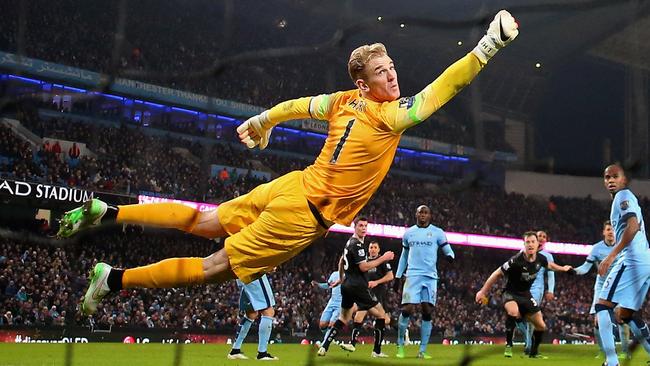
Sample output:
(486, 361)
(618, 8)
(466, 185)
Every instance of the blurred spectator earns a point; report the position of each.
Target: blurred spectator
(56, 149)
(21, 295)
(224, 176)
(74, 151)
(11, 290)
(7, 319)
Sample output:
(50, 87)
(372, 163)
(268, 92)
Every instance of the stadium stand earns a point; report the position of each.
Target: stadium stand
(41, 285)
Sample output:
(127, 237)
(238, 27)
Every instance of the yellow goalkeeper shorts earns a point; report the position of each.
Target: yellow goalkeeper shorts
(268, 226)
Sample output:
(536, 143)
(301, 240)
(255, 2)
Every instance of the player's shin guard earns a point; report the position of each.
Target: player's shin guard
(355, 333)
(266, 325)
(402, 324)
(641, 332)
(510, 329)
(242, 332)
(603, 313)
(331, 333)
(380, 324)
(536, 341)
(425, 333)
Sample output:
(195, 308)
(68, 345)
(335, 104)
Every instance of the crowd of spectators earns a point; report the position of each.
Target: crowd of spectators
(36, 280)
(83, 37)
(41, 285)
(129, 160)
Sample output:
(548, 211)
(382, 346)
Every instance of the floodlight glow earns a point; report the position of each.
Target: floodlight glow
(178, 109)
(34, 81)
(397, 232)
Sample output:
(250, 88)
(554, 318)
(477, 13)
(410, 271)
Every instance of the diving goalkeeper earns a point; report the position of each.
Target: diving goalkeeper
(277, 220)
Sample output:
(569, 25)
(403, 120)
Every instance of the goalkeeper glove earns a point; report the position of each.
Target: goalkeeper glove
(502, 31)
(253, 132)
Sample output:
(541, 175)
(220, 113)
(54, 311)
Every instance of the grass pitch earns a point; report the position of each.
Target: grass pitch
(100, 354)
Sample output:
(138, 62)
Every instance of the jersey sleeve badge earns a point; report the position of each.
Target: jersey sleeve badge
(406, 102)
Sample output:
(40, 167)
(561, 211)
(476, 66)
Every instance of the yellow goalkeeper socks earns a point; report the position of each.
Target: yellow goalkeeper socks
(173, 272)
(168, 215)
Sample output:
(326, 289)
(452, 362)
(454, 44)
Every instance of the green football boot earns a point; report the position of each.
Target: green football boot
(90, 214)
(508, 352)
(400, 352)
(97, 289)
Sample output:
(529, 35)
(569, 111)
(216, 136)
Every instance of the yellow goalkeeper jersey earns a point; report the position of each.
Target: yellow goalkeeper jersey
(363, 137)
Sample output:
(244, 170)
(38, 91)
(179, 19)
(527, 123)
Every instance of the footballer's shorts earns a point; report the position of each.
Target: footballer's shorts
(268, 226)
(359, 295)
(538, 294)
(419, 289)
(380, 293)
(257, 295)
(526, 303)
(330, 314)
(627, 285)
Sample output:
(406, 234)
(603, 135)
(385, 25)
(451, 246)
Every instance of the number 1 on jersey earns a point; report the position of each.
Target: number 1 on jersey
(339, 146)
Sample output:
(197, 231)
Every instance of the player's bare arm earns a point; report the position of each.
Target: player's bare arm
(557, 268)
(341, 273)
(481, 295)
(386, 278)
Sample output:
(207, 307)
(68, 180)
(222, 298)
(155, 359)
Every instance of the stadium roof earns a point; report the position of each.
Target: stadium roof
(552, 34)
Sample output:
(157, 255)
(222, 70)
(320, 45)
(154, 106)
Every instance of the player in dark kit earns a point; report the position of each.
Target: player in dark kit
(378, 277)
(354, 290)
(520, 272)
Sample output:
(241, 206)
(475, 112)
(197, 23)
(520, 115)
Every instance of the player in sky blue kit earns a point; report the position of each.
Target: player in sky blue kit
(627, 282)
(421, 243)
(255, 298)
(598, 253)
(333, 307)
(537, 289)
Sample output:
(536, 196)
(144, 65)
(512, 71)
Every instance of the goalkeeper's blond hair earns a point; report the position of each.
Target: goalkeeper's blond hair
(360, 57)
